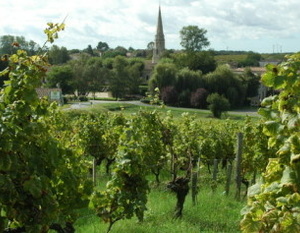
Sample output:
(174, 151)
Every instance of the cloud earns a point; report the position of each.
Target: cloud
(133, 22)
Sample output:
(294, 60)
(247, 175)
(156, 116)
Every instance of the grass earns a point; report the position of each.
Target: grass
(213, 213)
(177, 112)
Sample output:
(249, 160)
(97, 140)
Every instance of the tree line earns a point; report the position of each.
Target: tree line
(184, 78)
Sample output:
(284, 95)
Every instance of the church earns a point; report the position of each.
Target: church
(159, 41)
(158, 48)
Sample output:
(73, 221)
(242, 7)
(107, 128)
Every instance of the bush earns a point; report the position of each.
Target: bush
(82, 98)
(169, 95)
(217, 104)
(198, 98)
(184, 98)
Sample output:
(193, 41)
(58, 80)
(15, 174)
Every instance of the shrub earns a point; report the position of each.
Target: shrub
(184, 98)
(169, 95)
(82, 98)
(198, 98)
(217, 104)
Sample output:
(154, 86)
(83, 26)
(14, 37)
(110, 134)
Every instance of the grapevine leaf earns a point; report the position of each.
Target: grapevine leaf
(254, 190)
(33, 186)
(279, 82)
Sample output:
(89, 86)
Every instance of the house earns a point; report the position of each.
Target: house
(53, 94)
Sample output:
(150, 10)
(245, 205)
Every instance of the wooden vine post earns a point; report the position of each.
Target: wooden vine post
(238, 177)
(94, 171)
(215, 176)
(228, 179)
(194, 180)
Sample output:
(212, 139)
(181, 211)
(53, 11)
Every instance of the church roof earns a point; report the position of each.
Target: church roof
(159, 28)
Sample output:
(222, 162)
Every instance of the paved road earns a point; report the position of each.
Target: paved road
(249, 112)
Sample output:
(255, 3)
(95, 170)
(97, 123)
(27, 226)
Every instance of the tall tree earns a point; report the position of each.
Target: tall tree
(203, 60)
(193, 38)
(118, 80)
(10, 44)
(61, 76)
(58, 55)
(224, 82)
(102, 46)
(164, 75)
(89, 50)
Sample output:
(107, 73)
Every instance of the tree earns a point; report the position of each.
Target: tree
(95, 74)
(198, 98)
(252, 59)
(61, 76)
(90, 74)
(134, 77)
(89, 50)
(188, 80)
(252, 81)
(10, 44)
(79, 79)
(164, 75)
(102, 46)
(150, 45)
(58, 55)
(203, 61)
(193, 38)
(217, 104)
(224, 82)
(118, 80)
(169, 95)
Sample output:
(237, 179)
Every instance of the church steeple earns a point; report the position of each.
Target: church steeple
(159, 43)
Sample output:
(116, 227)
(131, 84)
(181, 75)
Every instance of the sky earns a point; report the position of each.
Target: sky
(263, 26)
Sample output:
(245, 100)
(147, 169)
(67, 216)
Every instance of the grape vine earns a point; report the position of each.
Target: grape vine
(274, 203)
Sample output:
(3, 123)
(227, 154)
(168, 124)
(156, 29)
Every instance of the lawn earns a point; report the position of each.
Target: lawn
(214, 212)
(127, 108)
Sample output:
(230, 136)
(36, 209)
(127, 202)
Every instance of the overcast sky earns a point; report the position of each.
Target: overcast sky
(252, 25)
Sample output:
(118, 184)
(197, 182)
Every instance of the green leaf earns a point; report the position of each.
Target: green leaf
(279, 82)
(271, 128)
(33, 186)
(254, 190)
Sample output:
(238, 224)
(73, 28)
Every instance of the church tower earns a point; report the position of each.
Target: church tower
(159, 43)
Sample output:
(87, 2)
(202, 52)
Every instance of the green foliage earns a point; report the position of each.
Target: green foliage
(164, 75)
(224, 82)
(202, 61)
(256, 152)
(193, 38)
(40, 177)
(252, 59)
(188, 80)
(102, 46)
(61, 76)
(58, 55)
(139, 150)
(89, 74)
(10, 44)
(217, 104)
(252, 81)
(273, 205)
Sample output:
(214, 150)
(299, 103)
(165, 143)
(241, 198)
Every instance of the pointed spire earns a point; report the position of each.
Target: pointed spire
(159, 43)
(159, 29)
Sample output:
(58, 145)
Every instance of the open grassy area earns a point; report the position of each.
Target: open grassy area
(127, 108)
(214, 212)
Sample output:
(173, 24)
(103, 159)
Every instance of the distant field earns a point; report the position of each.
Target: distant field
(223, 59)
